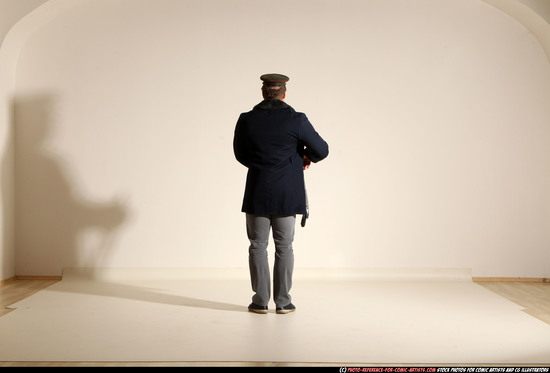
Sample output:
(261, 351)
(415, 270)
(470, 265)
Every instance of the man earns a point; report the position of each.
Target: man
(276, 144)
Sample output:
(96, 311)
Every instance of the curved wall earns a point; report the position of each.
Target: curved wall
(11, 12)
(19, 19)
(435, 113)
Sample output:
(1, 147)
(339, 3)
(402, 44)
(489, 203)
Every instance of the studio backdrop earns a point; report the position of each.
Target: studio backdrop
(436, 114)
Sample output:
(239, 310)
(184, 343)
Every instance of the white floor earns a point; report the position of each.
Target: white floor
(201, 316)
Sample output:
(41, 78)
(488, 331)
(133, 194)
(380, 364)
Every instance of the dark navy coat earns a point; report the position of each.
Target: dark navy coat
(271, 140)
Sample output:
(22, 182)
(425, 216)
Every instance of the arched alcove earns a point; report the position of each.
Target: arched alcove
(435, 114)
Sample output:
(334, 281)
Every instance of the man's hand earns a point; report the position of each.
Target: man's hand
(307, 162)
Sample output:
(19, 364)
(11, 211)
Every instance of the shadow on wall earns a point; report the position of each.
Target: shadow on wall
(50, 217)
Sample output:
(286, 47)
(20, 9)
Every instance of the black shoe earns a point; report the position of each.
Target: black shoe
(286, 309)
(257, 309)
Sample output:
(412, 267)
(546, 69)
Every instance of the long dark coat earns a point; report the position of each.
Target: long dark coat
(271, 140)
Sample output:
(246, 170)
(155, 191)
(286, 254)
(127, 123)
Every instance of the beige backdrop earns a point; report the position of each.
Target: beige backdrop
(436, 113)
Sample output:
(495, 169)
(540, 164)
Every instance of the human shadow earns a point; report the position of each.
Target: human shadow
(88, 281)
(51, 216)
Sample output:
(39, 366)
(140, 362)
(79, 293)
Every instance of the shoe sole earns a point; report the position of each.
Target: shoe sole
(285, 311)
(257, 311)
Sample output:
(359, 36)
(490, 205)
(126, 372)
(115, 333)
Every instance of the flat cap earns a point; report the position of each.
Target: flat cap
(274, 79)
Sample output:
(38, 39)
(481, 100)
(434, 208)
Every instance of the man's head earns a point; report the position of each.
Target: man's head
(274, 92)
(274, 86)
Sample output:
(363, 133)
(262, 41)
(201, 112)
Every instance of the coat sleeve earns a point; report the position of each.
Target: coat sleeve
(315, 148)
(239, 144)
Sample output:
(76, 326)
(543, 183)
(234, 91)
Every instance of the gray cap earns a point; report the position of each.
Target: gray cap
(274, 79)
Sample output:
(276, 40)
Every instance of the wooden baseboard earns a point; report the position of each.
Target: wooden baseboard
(45, 278)
(7, 281)
(36, 278)
(475, 279)
(511, 279)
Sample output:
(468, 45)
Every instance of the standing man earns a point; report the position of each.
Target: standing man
(276, 144)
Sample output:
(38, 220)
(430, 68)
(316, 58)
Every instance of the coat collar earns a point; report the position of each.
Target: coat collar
(272, 105)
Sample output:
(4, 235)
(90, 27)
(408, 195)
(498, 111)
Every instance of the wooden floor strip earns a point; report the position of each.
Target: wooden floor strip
(511, 279)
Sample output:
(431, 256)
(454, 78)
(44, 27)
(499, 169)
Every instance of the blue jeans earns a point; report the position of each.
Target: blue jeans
(258, 227)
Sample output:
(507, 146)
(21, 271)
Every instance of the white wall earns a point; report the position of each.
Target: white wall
(541, 7)
(11, 11)
(436, 114)
(7, 246)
